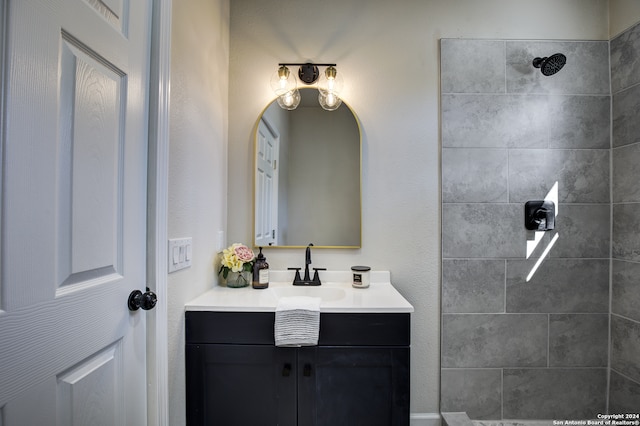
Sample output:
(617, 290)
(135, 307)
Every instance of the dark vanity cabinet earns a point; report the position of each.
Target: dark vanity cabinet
(357, 375)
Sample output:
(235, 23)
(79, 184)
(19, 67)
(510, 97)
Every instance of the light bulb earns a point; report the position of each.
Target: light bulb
(289, 100)
(329, 101)
(282, 81)
(330, 81)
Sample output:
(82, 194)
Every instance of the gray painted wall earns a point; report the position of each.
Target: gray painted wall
(510, 348)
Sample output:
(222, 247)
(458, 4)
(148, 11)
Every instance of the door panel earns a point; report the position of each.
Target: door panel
(114, 11)
(91, 393)
(354, 386)
(90, 181)
(223, 380)
(73, 240)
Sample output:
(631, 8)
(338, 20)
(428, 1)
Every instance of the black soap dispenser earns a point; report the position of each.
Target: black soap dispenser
(260, 272)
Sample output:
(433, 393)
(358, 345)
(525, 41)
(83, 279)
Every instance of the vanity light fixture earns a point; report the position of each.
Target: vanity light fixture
(329, 84)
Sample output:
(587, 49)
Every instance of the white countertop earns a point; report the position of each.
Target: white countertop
(336, 293)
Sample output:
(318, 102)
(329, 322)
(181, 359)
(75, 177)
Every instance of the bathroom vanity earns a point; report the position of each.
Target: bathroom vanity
(357, 374)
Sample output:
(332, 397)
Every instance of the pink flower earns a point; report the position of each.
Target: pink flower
(244, 253)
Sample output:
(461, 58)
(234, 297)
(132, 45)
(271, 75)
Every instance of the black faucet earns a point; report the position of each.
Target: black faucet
(307, 279)
(307, 262)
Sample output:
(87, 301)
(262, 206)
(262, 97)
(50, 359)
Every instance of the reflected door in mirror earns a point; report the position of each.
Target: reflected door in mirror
(266, 185)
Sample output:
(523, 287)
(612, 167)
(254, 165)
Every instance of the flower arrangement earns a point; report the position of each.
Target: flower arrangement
(236, 258)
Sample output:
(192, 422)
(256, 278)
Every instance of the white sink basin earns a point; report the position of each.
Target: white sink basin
(326, 294)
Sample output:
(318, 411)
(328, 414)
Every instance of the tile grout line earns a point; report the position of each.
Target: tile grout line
(611, 197)
(548, 340)
(504, 306)
(502, 393)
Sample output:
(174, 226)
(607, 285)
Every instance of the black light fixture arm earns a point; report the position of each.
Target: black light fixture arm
(305, 63)
(308, 72)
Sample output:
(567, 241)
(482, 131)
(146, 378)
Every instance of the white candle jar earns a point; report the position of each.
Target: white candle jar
(361, 277)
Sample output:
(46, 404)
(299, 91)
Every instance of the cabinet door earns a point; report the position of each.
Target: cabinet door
(240, 385)
(353, 386)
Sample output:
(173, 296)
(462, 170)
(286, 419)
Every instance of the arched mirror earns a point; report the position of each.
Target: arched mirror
(307, 186)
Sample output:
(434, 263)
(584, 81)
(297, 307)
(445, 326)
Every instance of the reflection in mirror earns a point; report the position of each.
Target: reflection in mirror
(307, 176)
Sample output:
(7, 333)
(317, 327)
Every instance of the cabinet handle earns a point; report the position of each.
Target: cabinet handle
(286, 370)
(306, 372)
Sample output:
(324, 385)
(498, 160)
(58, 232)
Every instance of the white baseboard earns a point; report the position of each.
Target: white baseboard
(425, 419)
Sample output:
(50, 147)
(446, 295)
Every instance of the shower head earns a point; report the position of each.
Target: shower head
(551, 65)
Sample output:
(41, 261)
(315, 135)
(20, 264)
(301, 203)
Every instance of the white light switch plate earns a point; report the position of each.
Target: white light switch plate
(180, 250)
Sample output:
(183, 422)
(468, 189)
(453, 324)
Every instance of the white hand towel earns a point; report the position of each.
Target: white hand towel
(297, 321)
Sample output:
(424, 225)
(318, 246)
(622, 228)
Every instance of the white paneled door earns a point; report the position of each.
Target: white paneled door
(266, 219)
(73, 211)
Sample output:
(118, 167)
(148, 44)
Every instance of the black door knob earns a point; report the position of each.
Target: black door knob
(138, 299)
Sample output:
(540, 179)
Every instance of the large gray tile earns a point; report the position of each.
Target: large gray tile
(578, 340)
(579, 122)
(585, 73)
(531, 176)
(473, 286)
(624, 394)
(461, 169)
(582, 174)
(625, 347)
(554, 393)
(626, 232)
(583, 230)
(472, 66)
(494, 340)
(625, 287)
(487, 121)
(626, 169)
(625, 59)
(483, 231)
(558, 286)
(624, 116)
(476, 392)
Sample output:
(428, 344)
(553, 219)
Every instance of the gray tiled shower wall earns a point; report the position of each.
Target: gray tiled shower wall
(625, 282)
(536, 349)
